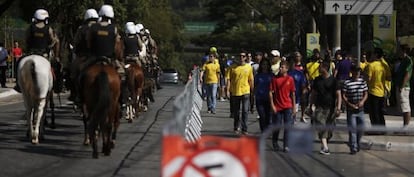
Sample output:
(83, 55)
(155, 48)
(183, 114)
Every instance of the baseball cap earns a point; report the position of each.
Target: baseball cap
(275, 53)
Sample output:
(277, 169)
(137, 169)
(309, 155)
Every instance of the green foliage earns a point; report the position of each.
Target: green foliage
(255, 40)
(156, 15)
(244, 24)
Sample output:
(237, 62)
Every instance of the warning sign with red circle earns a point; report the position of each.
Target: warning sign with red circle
(210, 156)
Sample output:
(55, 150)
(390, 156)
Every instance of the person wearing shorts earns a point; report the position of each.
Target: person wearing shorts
(402, 82)
(326, 95)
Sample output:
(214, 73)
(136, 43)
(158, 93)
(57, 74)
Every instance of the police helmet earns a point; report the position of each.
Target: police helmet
(106, 11)
(130, 28)
(91, 14)
(41, 15)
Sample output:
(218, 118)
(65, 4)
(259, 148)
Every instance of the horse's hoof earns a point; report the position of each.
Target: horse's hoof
(35, 141)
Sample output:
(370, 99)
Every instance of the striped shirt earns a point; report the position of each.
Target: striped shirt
(354, 90)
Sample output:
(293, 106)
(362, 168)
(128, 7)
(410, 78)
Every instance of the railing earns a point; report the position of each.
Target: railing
(187, 120)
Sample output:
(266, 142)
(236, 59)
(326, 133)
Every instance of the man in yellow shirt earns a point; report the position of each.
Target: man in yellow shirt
(312, 68)
(240, 82)
(364, 61)
(377, 75)
(211, 70)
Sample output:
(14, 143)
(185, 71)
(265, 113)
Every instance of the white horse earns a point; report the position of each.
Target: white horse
(36, 83)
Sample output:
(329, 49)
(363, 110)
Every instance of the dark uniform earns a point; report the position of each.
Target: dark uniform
(82, 51)
(101, 40)
(131, 48)
(81, 47)
(40, 38)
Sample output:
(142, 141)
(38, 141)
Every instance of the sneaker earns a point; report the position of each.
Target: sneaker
(353, 152)
(324, 151)
(237, 131)
(286, 149)
(245, 133)
(222, 99)
(303, 120)
(213, 112)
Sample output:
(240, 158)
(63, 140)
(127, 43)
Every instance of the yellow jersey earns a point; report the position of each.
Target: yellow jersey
(312, 69)
(240, 77)
(379, 75)
(211, 72)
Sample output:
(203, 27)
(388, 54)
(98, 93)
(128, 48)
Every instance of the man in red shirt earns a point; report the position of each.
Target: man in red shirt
(16, 53)
(282, 103)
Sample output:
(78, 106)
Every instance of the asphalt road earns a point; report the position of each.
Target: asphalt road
(137, 151)
(139, 144)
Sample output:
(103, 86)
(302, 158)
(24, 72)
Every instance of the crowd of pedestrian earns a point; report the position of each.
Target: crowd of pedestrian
(320, 88)
(8, 62)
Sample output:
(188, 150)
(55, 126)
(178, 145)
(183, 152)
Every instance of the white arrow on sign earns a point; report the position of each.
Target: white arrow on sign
(358, 7)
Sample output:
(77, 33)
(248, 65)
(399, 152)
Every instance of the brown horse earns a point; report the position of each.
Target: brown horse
(135, 84)
(101, 92)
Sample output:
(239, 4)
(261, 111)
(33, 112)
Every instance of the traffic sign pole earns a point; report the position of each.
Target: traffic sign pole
(359, 7)
(359, 40)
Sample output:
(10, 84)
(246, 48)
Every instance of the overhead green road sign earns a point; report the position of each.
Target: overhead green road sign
(199, 27)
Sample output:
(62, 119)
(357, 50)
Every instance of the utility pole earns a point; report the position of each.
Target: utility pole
(337, 33)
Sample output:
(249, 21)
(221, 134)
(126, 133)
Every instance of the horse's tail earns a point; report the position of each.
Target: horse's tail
(104, 99)
(30, 65)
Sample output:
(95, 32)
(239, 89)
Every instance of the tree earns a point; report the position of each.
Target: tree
(5, 5)
(156, 15)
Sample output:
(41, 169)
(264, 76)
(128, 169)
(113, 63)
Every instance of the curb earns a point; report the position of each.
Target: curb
(369, 144)
(8, 93)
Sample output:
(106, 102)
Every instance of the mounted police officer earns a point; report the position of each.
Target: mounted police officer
(143, 51)
(132, 44)
(41, 38)
(103, 40)
(81, 49)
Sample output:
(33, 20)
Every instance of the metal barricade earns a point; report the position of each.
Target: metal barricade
(187, 120)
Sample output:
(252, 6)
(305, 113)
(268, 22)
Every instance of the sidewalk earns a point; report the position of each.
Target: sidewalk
(396, 139)
(5, 92)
